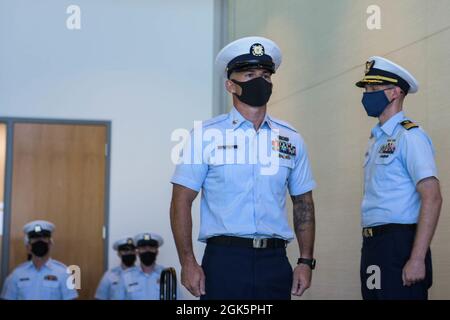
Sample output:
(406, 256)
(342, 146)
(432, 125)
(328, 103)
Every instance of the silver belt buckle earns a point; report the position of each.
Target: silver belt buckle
(259, 243)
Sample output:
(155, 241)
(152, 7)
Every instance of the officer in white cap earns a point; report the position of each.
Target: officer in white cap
(41, 278)
(402, 200)
(111, 286)
(143, 283)
(244, 218)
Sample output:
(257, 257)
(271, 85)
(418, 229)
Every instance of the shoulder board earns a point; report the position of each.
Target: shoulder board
(59, 264)
(215, 120)
(408, 125)
(130, 270)
(117, 269)
(157, 269)
(23, 265)
(283, 123)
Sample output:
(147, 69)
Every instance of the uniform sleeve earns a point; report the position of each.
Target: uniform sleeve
(9, 291)
(102, 292)
(418, 155)
(192, 169)
(66, 292)
(301, 179)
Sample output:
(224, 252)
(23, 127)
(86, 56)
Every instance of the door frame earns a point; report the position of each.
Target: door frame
(10, 122)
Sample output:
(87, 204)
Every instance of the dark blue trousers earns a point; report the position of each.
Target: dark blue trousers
(238, 273)
(390, 252)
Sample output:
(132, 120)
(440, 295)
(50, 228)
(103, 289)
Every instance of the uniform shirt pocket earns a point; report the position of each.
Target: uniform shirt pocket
(284, 170)
(24, 284)
(50, 284)
(23, 288)
(238, 177)
(278, 175)
(51, 289)
(385, 159)
(133, 287)
(135, 291)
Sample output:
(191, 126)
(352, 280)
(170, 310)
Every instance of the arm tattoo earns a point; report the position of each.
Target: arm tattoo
(303, 212)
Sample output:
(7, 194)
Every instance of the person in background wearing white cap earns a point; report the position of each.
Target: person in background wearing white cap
(244, 218)
(402, 199)
(143, 283)
(111, 286)
(41, 278)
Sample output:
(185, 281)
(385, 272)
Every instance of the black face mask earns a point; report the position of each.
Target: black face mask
(147, 258)
(256, 92)
(128, 259)
(39, 248)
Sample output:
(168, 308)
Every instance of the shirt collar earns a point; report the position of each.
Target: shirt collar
(154, 270)
(237, 119)
(389, 126)
(48, 264)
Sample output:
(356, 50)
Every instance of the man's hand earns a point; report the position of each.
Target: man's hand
(430, 194)
(193, 278)
(305, 229)
(302, 279)
(413, 272)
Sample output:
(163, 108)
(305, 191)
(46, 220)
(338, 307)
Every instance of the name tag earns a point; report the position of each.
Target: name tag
(234, 146)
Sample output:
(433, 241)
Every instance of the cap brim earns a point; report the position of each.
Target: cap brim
(150, 243)
(126, 247)
(245, 66)
(41, 234)
(360, 84)
(363, 83)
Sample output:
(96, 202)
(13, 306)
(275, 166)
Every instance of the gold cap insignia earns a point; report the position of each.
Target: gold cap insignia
(257, 50)
(369, 66)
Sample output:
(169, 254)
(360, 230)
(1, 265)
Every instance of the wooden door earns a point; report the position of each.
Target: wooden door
(59, 175)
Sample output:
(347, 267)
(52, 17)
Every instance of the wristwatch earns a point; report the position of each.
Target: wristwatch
(309, 262)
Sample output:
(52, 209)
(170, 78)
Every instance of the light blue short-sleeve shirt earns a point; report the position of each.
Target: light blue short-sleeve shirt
(111, 286)
(397, 159)
(244, 175)
(48, 283)
(140, 285)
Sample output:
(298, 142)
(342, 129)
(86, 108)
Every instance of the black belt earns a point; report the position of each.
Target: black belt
(386, 228)
(256, 243)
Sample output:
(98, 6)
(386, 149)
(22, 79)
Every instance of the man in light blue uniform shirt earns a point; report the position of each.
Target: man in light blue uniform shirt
(244, 162)
(143, 282)
(41, 278)
(402, 200)
(111, 285)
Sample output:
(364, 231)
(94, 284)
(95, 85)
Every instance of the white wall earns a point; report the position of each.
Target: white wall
(144, 65)
(325, 45)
